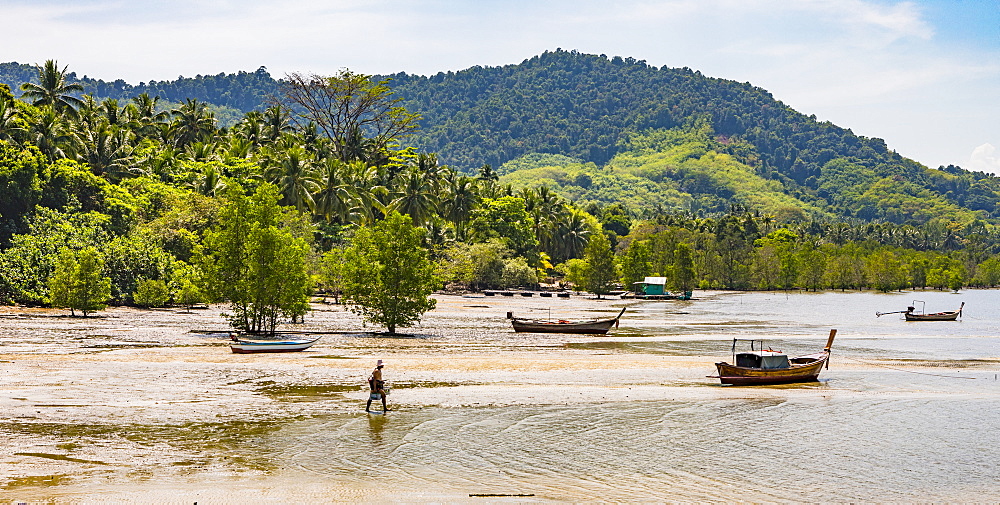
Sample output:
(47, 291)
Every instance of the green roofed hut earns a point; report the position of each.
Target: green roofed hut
(654, 288)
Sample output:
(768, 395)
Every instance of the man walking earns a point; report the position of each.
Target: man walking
(377, 386)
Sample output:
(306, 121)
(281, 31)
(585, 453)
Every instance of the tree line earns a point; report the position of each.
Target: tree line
(123, 202)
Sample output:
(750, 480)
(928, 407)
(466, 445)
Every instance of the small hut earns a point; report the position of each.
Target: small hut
(651, 286)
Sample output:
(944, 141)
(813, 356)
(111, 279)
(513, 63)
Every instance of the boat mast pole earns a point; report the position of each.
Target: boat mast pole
(829, 344)
(829, 341)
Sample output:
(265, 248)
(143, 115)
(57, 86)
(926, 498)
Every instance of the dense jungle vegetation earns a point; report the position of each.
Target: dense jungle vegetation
(708, 182)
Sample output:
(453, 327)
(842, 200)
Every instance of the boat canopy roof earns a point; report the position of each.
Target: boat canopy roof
(762, 359)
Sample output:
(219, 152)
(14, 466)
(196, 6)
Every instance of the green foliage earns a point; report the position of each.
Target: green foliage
(185, 282)
(517, 273)
(388, 277)
(332, 273)
(73, 187)
(682, 273)
(536, 160)
(77, 282)
(478, 266)
(21, 173)
(600, 274)
(506, 218)
(575, 271)
(255, 265)
(130, 260)
(30, 260)
(152, 293)
(636, 262)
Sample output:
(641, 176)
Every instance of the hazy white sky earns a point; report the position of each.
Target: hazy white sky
(924, 75)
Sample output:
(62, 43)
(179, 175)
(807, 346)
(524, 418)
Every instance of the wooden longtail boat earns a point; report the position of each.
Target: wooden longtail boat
(243, 346)
(592, 326)
(950, 315)
(766, 366)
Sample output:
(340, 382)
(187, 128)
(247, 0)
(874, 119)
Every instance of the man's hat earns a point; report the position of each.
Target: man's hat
(379, 363)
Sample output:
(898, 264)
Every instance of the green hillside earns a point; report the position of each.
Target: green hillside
(632, 121)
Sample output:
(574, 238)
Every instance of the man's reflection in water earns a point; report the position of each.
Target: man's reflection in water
(376, 423)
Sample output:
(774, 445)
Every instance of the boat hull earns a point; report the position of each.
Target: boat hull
(599, 327)
(261, 346)
(799, 372)
(942, 316)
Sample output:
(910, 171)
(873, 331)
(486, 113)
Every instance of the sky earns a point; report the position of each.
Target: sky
(923, 75)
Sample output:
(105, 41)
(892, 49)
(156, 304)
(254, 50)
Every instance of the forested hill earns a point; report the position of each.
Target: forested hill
(243, 91)
(726, 135)
(619, 130)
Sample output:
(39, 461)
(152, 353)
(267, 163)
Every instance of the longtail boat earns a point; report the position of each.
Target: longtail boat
(244, 346)
(591, 326)
(767, 366)
(950, 315)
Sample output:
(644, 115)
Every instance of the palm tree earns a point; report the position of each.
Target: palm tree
(333, 199)
(53, 89)
(200, 151)
(142, 117)
(251, 127)
(291, 171)
(10, 124)
(572, 236)
(192, 121)
(51, 134)
(239, 147)
(107, 150)
(210, 182)
(276, 122)
(462, 199)
(415, 197)
(366, 192)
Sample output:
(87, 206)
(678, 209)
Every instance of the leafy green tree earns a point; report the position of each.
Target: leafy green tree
(388, 277)
(185, 281)
(252, 262)
(988, 272)
(477, 266)
(683, 274)
(332, 272)
(635, 262)
(601, 273)
(62, 283)
(77, 282)
(21, 172)
(517, 273)
(812, 264)
(347, 107)
(575, 272)
(506, 218)
(151, 293)
(885, 271)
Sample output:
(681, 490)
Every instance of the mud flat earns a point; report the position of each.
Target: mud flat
(132, 406)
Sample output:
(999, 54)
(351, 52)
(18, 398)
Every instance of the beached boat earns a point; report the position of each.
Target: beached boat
(244, 346)
(950, 315)
(767, 366)
(592, 326)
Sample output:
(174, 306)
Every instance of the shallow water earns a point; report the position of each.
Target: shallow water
(132, 406)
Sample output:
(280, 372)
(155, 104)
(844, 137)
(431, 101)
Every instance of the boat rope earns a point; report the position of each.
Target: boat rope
(908, 371)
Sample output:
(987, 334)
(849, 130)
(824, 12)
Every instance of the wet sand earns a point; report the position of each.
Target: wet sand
(132, 406)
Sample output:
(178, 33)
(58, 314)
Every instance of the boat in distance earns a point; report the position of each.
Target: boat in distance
(910, 315)
(591, 326)
(766, 366)
(950, 315)
(244, 346)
